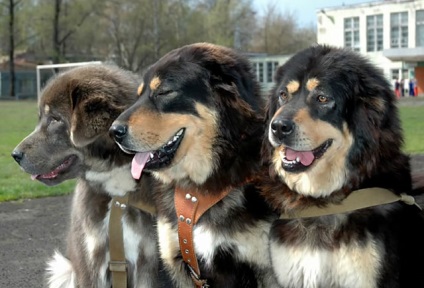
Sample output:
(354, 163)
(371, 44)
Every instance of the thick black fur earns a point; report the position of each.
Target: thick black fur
(221, 81)
(361, 99)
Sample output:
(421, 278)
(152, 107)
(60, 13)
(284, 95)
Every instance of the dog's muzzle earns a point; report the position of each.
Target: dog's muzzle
(17, 155)
(118, 132)
(282, 128)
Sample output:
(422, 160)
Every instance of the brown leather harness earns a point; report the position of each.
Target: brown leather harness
(190, 205)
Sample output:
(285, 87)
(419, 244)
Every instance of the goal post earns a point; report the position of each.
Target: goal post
(58, 66)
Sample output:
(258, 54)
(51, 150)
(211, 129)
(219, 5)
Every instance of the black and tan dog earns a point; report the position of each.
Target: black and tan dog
(333, 128)
(198, 128)
(71, 140)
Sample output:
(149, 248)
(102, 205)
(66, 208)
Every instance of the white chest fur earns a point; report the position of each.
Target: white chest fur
(117, 181)
(133, 248)
(250, 244)
(354, 266)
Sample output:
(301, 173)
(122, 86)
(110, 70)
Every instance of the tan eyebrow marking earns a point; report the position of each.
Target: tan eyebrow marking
(154, 84)
(312, 84)
(292, 86)
(140, 89)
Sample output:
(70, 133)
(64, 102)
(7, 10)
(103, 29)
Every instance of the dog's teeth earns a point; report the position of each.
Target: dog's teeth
(180, 132)
(170, 142)
(152, 155)
(175, 138)
(297, 159)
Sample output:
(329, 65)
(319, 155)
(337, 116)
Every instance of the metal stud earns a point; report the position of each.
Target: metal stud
(181, 218)
(123, 206)
(188, 196)
(188, 221)
(186, 251)
(185, 241)
(117, 204)
(193, 199)
(188, 260)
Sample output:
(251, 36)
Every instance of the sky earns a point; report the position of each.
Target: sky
(304, 10)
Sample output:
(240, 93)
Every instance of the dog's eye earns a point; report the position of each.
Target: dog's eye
(322, 99)
(283, 95)
(53, 120)
(164, 92)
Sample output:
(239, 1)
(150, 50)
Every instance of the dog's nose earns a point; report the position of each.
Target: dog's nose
(282, 128)
(17, 155)
(118, 132)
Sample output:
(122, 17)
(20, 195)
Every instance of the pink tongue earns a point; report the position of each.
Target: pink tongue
(138, 163)
(305, 157)
(50, 175)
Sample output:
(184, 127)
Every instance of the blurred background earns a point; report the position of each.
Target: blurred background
(36, 35)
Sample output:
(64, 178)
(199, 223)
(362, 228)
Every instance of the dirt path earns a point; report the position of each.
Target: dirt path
(30, 230)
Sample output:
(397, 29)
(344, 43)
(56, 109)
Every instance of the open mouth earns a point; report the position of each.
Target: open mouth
(299, 161)
(56, 171)
(157, 159)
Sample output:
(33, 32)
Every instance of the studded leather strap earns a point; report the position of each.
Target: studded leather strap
(190, 205)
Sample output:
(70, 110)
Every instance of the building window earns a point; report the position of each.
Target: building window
(395, 74)
(261, 72)
(420, 28)
(351, 33)
(399, 30)
(255, 69)
(270, 69)
(375, 33)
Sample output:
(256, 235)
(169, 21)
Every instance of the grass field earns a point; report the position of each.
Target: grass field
(18, 119)
(413, 127)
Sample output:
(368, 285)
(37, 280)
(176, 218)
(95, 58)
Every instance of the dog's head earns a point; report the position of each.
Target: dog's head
(198, 109)
(76, 109)
(331, 120)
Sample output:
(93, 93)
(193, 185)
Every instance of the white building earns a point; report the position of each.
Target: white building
(264, 67)
(390, 33)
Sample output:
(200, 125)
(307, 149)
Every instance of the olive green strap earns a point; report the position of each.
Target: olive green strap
(356, 200)
(117, 263)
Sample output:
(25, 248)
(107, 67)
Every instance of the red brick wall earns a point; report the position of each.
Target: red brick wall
(419, 75)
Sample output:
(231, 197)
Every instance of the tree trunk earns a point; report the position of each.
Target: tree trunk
(56, 29)
(156, 29)
(12, 47)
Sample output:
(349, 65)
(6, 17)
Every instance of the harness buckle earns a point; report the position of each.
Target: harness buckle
(118, 266)
(201, 283)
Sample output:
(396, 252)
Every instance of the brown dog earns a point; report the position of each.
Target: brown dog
(71, 140)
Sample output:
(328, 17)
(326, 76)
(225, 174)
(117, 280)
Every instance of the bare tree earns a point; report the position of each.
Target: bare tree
(279, 33)
(11, 6)
(63, 30)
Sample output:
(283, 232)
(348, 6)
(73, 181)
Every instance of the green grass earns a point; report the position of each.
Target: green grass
(413, 128)
(18, 119)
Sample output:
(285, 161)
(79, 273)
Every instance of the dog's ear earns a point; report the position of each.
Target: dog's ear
(92, 116)
(376, 101)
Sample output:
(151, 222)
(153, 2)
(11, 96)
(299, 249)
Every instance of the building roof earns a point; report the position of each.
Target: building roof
(20, 65)
(365, 4)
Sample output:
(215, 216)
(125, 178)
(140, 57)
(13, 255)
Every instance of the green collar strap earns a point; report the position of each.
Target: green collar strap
(356, 200)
